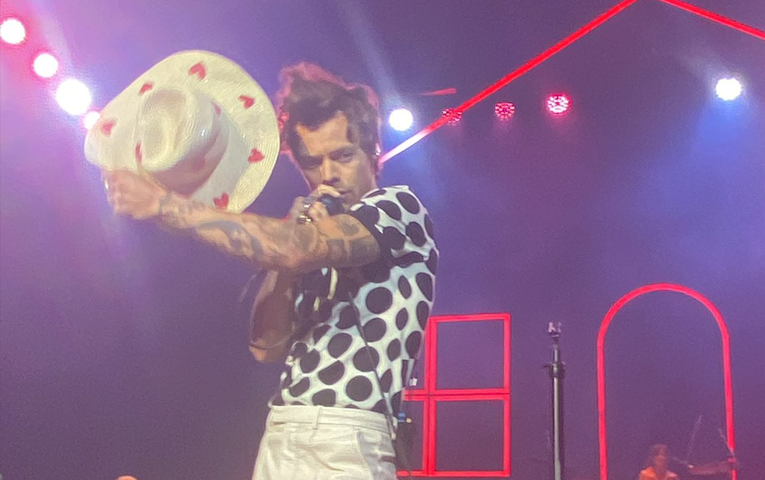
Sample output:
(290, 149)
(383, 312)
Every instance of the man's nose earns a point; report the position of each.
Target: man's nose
(328, 171)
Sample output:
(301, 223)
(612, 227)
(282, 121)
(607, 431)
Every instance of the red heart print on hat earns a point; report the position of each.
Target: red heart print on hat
(199, 70)
(248, 101)
(106, 127)
(255, 156)
(222, 201)
(145, 88)
(138, 153)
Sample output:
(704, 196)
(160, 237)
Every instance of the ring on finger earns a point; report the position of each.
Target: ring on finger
(303, 218)
(307, 202)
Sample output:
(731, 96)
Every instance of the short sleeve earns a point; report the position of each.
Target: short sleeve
(400, 223)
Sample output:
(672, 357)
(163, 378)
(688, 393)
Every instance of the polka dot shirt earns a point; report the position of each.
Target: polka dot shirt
(328, 363)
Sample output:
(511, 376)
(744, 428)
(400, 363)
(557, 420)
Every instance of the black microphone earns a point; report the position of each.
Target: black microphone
(332, 204)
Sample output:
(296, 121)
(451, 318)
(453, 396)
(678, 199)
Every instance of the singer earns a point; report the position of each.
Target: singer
(346, 298)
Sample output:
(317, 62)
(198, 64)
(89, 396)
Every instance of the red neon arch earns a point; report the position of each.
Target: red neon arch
(602, 374)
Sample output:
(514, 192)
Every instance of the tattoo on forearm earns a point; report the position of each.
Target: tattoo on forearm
(269, 242)
(363, 248)
(348, 228)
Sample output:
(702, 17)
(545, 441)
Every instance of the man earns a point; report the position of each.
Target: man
(658, 466)
(346, 298)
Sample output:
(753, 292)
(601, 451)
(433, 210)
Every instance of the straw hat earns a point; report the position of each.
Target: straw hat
(198, 124)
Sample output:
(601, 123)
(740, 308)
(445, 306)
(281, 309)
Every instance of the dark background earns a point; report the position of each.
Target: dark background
(122, 348)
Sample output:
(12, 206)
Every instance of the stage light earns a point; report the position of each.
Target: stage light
(45, 65)
(12, 31)
(401, 119)
(73, 96)
(558, 104)
(91, 119)
(728, 89)
(504, 110)
(453, 115)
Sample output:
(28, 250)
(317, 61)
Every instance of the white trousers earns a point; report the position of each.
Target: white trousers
(325, 443)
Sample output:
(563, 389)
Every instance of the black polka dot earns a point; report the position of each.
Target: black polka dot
(392, 238)
(376, 193)
(429, 227)
(416, 234)
(324, 312)
(408, 259)
(386, 380)
(423, 311)
(413, 343)
(374, 329)
(333, 373)
(408, 202)
(310, 361)
(394, 349)
(362, 357)
(324, 398)
(359, 389)
(425, 283)
(432, 261)
(376, 272)
(404, 287)
(319, 332)
(286, 379)
(300, 388)
(390, 208)
(395, 400)
(401, 318)
(380, 407)
(339, 344)
(299, 349)
(347, 318)
(379, 300)
(368, 215)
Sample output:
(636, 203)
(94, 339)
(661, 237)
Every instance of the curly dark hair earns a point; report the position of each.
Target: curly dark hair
(310, 96)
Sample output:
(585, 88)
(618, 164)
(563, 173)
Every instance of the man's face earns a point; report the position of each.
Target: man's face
(330, 158)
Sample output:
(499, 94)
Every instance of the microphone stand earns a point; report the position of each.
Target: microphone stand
(557, 370)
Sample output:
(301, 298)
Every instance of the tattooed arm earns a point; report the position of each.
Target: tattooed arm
(338, 241)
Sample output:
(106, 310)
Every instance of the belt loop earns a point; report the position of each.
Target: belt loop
(317, 418)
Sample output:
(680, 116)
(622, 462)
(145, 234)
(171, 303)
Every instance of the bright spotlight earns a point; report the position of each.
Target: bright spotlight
(728, 89)
(12, 31)
(558, 104)
(91, 119)
(454, 116)
(45, 65)
(400, 119)
(73, 96)
(504, 110)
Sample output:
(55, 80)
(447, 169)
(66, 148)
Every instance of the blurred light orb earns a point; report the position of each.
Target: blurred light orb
(13, 31)
(401, 119)
(728, 89)
(45, 65)
(558, 104)
(73, 96)
(91, 119)
(504, 110)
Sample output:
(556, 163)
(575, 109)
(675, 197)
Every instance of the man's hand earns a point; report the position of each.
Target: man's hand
(310, 207)
(131, 194)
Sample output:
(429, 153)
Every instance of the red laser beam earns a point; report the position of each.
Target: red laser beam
(716, 17)
(504, 81)
(725, 338)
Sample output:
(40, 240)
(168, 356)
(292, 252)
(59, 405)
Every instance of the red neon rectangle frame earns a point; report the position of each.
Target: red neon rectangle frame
(430, 395)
